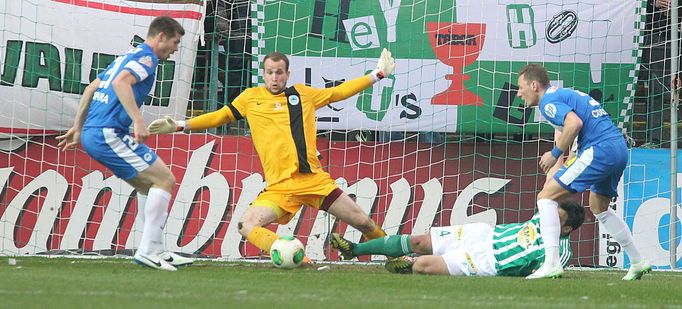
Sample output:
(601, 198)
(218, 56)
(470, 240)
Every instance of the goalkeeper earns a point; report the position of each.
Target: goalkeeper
(474, 249)
(282, 123)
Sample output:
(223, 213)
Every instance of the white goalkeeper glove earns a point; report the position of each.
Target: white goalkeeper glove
(385, 66)
(165, 125)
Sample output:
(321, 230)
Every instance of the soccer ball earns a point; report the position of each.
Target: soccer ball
(287, 252)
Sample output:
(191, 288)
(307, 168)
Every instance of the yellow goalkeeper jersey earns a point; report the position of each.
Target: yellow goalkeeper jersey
(282, 126)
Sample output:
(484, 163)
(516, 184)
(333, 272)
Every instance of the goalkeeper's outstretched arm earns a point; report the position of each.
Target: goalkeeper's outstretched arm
(205, 121)
(385, 67)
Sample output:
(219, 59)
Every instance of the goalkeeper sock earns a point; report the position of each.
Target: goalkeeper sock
(550, 229)
(393, 246)
(620, 232)
(155, 214)
(376, 233)
(262, 238)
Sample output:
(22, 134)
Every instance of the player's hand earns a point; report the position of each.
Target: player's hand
(386, 62)
(163, 126)
(555, 168)
(141, 132)
(547, 161)
(70, 139)
(663, 4)
(385, 65)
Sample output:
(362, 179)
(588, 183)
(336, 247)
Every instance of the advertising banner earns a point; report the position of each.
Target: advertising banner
(51, 49)
(647, 206)
(456, 61)
(65, 202)
(51, 203)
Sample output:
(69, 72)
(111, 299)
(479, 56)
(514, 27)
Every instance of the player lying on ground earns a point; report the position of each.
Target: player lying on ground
(282, 123)
(601, 159)
(474, 249)
(111, 104)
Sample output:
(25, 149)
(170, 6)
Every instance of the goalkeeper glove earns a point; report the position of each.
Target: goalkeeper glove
(165, 125)
(385, 66)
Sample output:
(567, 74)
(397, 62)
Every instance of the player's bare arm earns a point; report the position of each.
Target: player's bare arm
(72, 137)
(572, 126)
(123, 86)
(562, 159)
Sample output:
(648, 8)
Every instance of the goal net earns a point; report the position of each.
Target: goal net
(443, 141)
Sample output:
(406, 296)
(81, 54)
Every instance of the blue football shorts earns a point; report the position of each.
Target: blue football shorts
(598, 167)
(118, 151)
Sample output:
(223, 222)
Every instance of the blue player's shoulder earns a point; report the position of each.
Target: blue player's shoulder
(551, 94)
(148, 60)
(143, 51)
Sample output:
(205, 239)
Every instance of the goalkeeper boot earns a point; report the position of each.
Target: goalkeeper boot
(344, 246)
(175, 259)
(638, 270)
(547, 271)
(399, 265)
(152, 261)
(307, 261)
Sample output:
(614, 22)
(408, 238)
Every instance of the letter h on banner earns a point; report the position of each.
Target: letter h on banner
(520, 26)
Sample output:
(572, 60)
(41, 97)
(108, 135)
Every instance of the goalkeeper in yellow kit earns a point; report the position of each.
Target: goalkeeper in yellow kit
(282, 123)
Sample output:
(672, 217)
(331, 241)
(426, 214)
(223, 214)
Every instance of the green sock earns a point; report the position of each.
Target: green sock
(393, 246)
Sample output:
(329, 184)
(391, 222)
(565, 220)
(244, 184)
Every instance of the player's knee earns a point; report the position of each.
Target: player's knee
(421, 244)
(171, 181)
(246, 225)
(430, 265)
(244, 228)
(544, 194)
(164, 180)
(553, 190)
(421, 266)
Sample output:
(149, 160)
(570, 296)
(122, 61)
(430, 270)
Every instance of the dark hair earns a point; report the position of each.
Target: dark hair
(575, 213)
(167, 25)
(536, 72)
(277, 56)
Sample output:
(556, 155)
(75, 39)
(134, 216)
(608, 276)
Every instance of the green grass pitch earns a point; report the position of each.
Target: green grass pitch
(39, 282)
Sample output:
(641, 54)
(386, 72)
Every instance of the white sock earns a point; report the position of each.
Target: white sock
(550, 228)
(141, 200)
(156, 212)
(620, 232)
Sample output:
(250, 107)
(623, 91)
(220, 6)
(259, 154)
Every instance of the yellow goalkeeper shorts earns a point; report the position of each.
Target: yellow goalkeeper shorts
(288, 196)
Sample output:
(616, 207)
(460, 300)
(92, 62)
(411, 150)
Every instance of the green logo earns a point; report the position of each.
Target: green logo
(364, 103)
(521, 26)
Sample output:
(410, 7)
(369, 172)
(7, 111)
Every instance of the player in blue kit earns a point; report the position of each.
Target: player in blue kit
(599, 164)
(109, 105)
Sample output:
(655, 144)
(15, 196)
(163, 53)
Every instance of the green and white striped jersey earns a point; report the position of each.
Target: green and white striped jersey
(518, 248)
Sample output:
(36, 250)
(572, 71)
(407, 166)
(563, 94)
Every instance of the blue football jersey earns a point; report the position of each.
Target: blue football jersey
(106, 111)
(597, 124)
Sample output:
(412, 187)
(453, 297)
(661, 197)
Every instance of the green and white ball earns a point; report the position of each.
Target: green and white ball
(287, 252)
